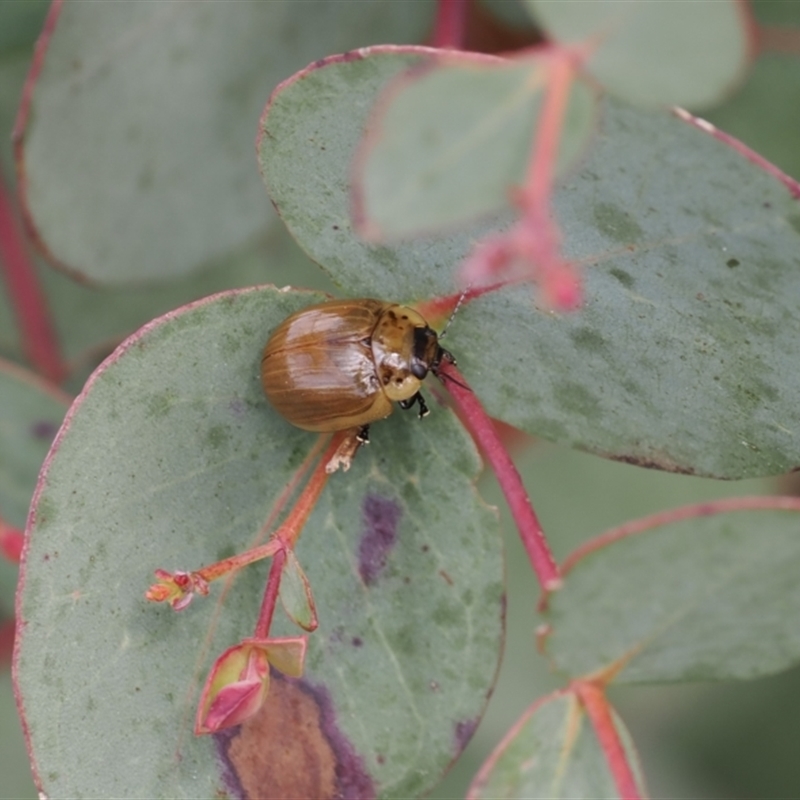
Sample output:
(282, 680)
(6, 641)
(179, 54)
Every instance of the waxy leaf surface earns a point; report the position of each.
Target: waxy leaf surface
(146, 112)
(172, 458)
(711, 598)
(684, 354)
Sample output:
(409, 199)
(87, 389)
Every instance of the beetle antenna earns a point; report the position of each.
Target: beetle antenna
(455, 310)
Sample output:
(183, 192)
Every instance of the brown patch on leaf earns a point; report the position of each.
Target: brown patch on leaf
(292, 749)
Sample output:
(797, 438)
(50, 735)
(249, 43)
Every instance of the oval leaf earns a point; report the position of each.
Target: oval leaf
(153, 130)
(172, 458)
(687, 54)
(716, 598)
(683, 357)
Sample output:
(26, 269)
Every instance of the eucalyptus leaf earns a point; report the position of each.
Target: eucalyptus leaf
(687, 54)
(683, 356)
(171, 458)
(716, 598)
(146, 112)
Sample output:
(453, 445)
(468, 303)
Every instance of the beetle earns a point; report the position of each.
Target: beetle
(343, 363)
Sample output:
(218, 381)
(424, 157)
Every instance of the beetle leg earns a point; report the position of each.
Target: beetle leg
(362, 437)
(417, 398)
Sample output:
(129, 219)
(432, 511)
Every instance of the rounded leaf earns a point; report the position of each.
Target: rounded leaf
(172, 458)
(683, 357)
(146, 112)
(655, 53)
(716, 598)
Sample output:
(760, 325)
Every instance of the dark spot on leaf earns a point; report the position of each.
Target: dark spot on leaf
(588, 339)
(380, 516)
(357, 641)
(445, 577)
(425, 548)
(625, 278)
(463, 733)
(44, 429)
(335, 227)
(292, 748)
(218, 436)
(617, 224)
(732, 262)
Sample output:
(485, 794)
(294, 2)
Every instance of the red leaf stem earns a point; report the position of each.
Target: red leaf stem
(483, 431)
(599, 712)
(270, 596)
(451, 23)
(39, 340)
(286, 534)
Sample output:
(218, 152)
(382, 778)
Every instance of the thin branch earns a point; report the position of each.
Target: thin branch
(37, 331)
(270, 596)
(598, 710)
(482, 429)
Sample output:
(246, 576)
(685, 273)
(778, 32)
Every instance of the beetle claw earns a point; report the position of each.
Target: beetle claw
(362, 437)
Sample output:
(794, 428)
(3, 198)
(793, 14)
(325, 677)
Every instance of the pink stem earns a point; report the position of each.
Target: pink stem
(449, 31)
(599, 712)
(39, 341)
(480, 426)
(270, 595)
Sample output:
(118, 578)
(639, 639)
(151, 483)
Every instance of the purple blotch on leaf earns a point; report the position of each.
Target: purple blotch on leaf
(380, 518)
(463, 731)
(238, 407)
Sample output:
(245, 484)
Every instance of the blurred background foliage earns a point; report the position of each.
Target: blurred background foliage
(696, 741)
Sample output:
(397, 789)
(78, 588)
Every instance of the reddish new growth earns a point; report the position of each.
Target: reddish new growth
(238, 683)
